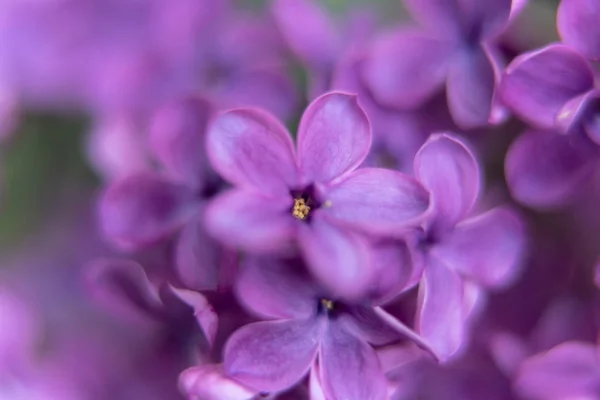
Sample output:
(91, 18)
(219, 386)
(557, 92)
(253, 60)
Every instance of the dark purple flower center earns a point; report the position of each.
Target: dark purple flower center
(305, 201)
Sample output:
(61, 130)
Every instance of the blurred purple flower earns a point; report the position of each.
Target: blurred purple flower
(568, 371)
(552, 89)
(307, 327)
(149, 207)
(314, 198)
(454, 47)
(577, 22)
(461, 254)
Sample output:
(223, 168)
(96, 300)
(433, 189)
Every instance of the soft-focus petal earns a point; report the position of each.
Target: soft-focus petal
(577, 22)
(205, 315)
(377, 200)
(568, 371)
(244, 219)
(19, 333)
(487, 249)
(122, 285)
(250, 148)
(208, 382)
(350, 369)
(143, 209)
(449, 170)
(334, 137)
(315, 384)
(368, 325)
(309, 30)
(440, 315)
(441, 16)
(274, 288)
(337, 257)
(394, 269)
(178, 136)
(488, 18)
(546, 169)
(274, 355)
(198, 256)
(470, 89)
(405, 68)
(582, 114)
(537, 84)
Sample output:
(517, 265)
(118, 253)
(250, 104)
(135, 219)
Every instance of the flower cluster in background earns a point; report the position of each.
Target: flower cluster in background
(299, 200)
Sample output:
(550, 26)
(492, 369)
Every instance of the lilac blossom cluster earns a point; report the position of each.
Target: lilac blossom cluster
(343, 238)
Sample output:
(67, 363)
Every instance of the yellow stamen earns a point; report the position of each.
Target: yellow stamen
(301, 209)
(328, 304)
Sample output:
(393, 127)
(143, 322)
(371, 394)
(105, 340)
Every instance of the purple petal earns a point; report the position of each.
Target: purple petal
(405, 68)
(177, 138)
(440, 16)
(487, 249)
(582, 113)
(536, 85)
(368, 325)
(315, 384)
(277, 289)
(350, 368)
(570, 370)
(334, 137)
(205, 315)
(449, 170)
(546, 169)
(489, 18)
(440, 315)
(143, 209)
(124, 286)
(273, 355)
(470, 89)
(208, 382)
(393, 270)
(309, 30)
(597, 274)
(20, 333)
(198, 257)
(244, 219)
(577, 22)
(251, 149)
(337, 257)
(377, 200)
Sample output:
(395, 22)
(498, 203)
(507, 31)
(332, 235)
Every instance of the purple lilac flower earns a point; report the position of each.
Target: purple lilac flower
(577, 22)
(304, 327)
(454, 47)
(462, 254)
(314, 197)
(552, 89)
(149, 207)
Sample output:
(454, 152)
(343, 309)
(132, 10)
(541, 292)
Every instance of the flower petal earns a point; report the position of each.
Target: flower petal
(569, 370)
(488, 249)
(334, 137)
(537, 84)
(470, 89)
(275, 288)
(349, 367)
(178, 136)
(199, 257)
(143, 209)
(123, 285)
(377, 200)
(394, 269)
(368, 325)
(449, 170)
(577, 22)
(337, 257)
(316, 46)
(546, 169)
(209, 382)
(251, 149)
(272, 355)
(441, 16)
(205, 315)
(247, 220)
(440, 314)
(405, 68)
(489, 18)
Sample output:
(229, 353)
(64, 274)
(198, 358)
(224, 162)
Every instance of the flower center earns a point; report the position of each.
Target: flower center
(327, 304)
(301, 209)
